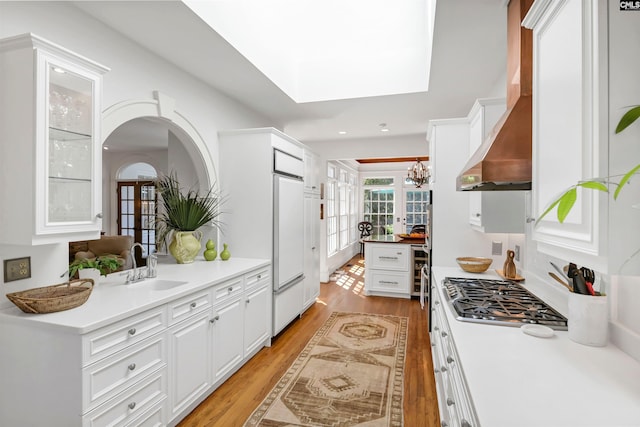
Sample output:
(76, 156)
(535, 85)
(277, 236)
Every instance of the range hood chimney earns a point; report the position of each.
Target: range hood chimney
(503, 160)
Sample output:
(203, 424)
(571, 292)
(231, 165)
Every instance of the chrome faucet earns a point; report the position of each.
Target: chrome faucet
(134, 276)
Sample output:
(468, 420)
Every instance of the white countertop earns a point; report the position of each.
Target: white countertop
(518, 380)
(112, 300)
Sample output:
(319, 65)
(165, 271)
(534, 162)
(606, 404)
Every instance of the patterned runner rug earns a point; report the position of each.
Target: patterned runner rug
(349, 374)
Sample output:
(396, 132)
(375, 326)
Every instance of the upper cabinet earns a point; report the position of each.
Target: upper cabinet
(50, 143)
(569, 125)
(492, 211)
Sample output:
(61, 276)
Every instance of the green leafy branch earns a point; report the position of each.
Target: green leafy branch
(567, 200)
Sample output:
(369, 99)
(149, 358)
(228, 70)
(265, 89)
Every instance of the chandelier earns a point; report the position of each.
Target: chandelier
(418, 174)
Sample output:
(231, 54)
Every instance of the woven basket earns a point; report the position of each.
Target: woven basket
(50, 299)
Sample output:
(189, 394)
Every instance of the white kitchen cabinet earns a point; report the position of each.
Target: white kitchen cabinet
(51, 151)
(570, 125)
(228, 342)
(492, 211)
(257, 316)
(311, 248)
(454, 400)
(190, 353)
(387, 270)
(311, 172)
(149, 367)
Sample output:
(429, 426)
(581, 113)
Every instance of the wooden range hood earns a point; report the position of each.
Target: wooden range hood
(503, 160)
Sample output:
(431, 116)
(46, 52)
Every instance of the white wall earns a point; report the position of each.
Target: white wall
(135, 74)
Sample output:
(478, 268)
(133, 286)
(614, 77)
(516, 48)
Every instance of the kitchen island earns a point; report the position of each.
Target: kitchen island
(392, 267)
(515, 379)
(143, 353)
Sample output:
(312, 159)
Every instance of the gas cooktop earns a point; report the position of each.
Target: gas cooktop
(499, 302)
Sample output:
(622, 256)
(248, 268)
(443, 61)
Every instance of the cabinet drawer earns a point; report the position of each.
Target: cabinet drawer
(115, 337)
(188, 306)
(389, 257)
(102, 380)
(153, 418)
(227, 290)
(131, 404)
(389, 281)
(256, 278)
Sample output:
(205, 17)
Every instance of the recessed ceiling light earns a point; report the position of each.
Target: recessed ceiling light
(384, 130)
(59, 70)
(383, 127)
(342, 132)
(104, 147)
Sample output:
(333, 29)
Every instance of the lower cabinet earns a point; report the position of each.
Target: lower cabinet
(387, 269)
(149, 369)
(454, 401)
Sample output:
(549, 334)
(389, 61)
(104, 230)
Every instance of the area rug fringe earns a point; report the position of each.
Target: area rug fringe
(349, 374)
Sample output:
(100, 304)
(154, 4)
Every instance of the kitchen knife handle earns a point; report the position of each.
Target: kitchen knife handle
(579, 284)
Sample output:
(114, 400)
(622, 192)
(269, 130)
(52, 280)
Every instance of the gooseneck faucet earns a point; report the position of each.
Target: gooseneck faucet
(134, 276)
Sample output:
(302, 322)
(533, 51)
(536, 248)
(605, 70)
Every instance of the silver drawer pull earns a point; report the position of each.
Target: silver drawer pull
(437, 303)
(386, 282)
(132, 366)
(132, 405)
(230, 289)
(450, 401)
(443, 369)
(444, 334)
(214, 319)
(259, 276)
(449, 359)
(194, 304)
(132, 331)
(388, 257)
(248, 300)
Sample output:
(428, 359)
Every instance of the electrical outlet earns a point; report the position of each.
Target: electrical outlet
(17, 269)
(496, 248)
(517, 253)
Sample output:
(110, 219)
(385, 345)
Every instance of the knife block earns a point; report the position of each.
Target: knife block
(588, 320)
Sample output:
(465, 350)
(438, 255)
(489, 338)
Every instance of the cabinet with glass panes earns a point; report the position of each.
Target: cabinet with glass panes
(51, 143)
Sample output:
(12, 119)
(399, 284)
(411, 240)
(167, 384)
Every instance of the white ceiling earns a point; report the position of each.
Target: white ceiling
(468, 62)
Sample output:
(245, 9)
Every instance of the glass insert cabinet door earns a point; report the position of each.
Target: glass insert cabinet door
(71, 145)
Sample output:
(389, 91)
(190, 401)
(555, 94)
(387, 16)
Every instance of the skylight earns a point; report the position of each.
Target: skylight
(320, 50)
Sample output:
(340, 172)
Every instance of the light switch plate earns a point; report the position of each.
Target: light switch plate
(17, 269)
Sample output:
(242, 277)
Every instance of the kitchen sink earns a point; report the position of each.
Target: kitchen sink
(161, 284)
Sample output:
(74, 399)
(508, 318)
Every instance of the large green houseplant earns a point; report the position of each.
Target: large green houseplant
(180, 216)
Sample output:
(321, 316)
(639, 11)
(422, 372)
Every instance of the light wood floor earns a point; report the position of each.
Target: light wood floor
(233, 402)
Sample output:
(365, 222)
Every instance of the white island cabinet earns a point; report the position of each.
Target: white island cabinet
(388, 269)
(51, 144)
(134, 354)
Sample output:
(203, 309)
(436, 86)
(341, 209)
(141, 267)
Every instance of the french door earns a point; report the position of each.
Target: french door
(137, 209)
(416, 204)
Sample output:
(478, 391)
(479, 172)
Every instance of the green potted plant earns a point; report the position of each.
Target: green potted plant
(180, 216)
(103, 266)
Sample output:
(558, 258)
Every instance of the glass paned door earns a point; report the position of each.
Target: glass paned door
(70, 146)
(416, 208)
(379, 209)
(136, 215)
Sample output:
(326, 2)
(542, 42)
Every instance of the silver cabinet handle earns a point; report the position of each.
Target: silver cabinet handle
(466, 423)
(132, 366)
(193, 304)
(99, 215)
(230, 289)
(132, 405)
(477, 215)
(529, 220)
(132, 331)
(437, 303)
(214, 319)
(449, 359)
(443, 369)
(450, 401)
(259, 276)
(444, 334)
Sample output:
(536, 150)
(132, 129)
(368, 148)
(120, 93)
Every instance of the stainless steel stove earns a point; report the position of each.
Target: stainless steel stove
(499, 302)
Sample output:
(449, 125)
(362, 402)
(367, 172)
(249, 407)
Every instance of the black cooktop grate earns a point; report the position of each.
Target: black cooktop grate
(499, 302)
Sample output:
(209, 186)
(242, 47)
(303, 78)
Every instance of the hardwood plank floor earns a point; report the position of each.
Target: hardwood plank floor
(233, 402)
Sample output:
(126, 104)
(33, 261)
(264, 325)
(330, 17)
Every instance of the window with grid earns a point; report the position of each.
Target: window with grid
(353, 212)
(416, 204)
(331, 211)
(136, 215)
(378, 206)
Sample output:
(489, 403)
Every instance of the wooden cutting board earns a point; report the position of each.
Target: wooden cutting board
(515, 279)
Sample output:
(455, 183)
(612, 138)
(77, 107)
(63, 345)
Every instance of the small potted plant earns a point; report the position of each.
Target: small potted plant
(180, 216)
(93, 268)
